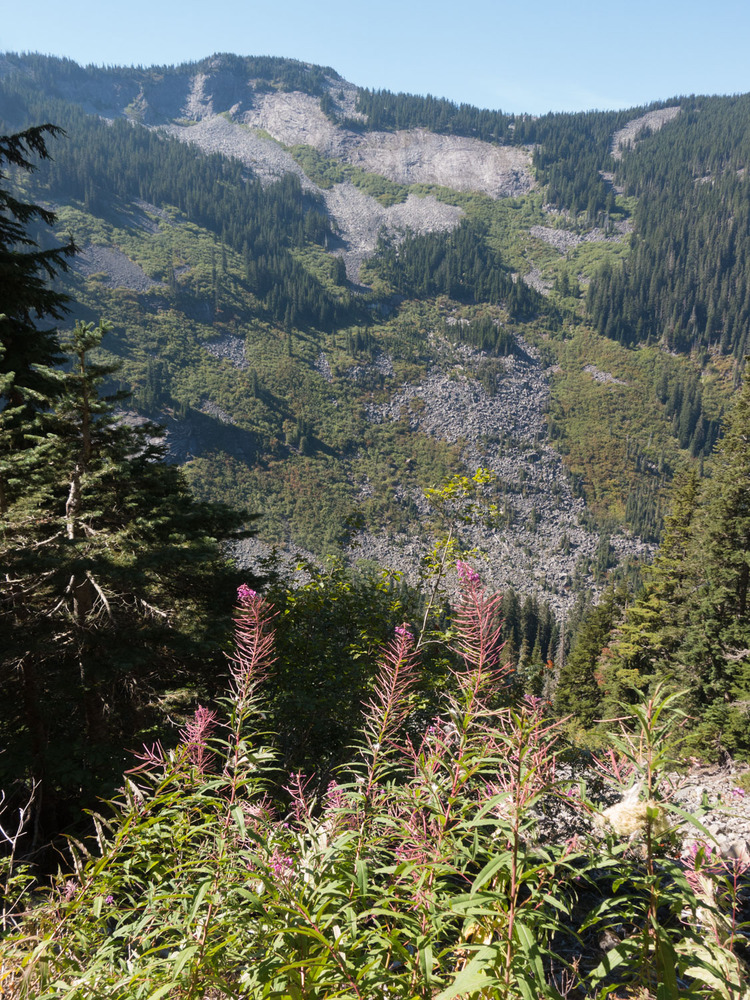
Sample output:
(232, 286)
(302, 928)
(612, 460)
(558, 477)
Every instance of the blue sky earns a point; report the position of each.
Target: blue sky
(544, 56)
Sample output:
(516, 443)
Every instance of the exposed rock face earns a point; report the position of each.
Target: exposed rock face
(409, 157)
(219, 135)
(628, 135)
(360, 219)
(421, 157)
(506, 434)
(295, 119)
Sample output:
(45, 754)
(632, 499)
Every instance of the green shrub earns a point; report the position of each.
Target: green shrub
(419, 873)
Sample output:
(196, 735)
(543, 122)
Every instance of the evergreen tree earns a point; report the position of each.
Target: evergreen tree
(116, 591)
(578, 690)
(691, 625)
(115, 588)
(28, 352)
(648, 644)
(719, 638)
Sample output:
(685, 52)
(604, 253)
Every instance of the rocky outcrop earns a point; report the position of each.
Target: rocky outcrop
(361, 219)
(541, 541)
(627, 136)
(218, 134)
(413, 156)
(565, 240)
(230, 348)
(420, 157)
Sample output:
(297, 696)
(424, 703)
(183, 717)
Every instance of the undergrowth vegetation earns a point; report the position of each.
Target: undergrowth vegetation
(462, 857)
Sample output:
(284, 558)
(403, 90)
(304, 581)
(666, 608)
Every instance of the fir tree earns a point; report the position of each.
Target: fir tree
(719, 639)
(647, 645)
(115, 591)
(28, 352)
(115, 586)
(578, 690)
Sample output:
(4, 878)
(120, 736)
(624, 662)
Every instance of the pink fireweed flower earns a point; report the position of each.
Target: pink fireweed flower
(571, 793)
(479, 628)
(195, 737)
(397, 675)
(253, 639)
(152, 759)
(467, 574)
(259, 813)
(281, 865)
(301, 804)
(699, 854)
(245, 595)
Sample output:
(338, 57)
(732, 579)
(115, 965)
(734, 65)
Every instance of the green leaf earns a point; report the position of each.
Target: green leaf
(611, 960)
(239, 818)
(361, 874)
(426, 961)
(531, 949)
(202, 890)
(529, 990)
(183, 957)
(690, 819)
(667, 958)
(492, 866)
(161, 992)
(471, 978)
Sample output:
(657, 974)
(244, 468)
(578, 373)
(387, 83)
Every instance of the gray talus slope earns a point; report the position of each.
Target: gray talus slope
(412, 157)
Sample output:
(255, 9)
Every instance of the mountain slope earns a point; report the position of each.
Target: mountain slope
(315, 363)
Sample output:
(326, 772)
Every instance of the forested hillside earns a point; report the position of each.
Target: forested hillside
(685, 283)
(464, 394)
(278, 377)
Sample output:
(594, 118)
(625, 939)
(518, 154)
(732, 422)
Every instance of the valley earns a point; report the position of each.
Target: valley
(151, 262)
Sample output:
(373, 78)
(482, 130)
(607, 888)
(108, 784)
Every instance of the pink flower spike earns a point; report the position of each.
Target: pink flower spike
(245, 595)
(467, 574)
(195, 737)
(402, 631)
